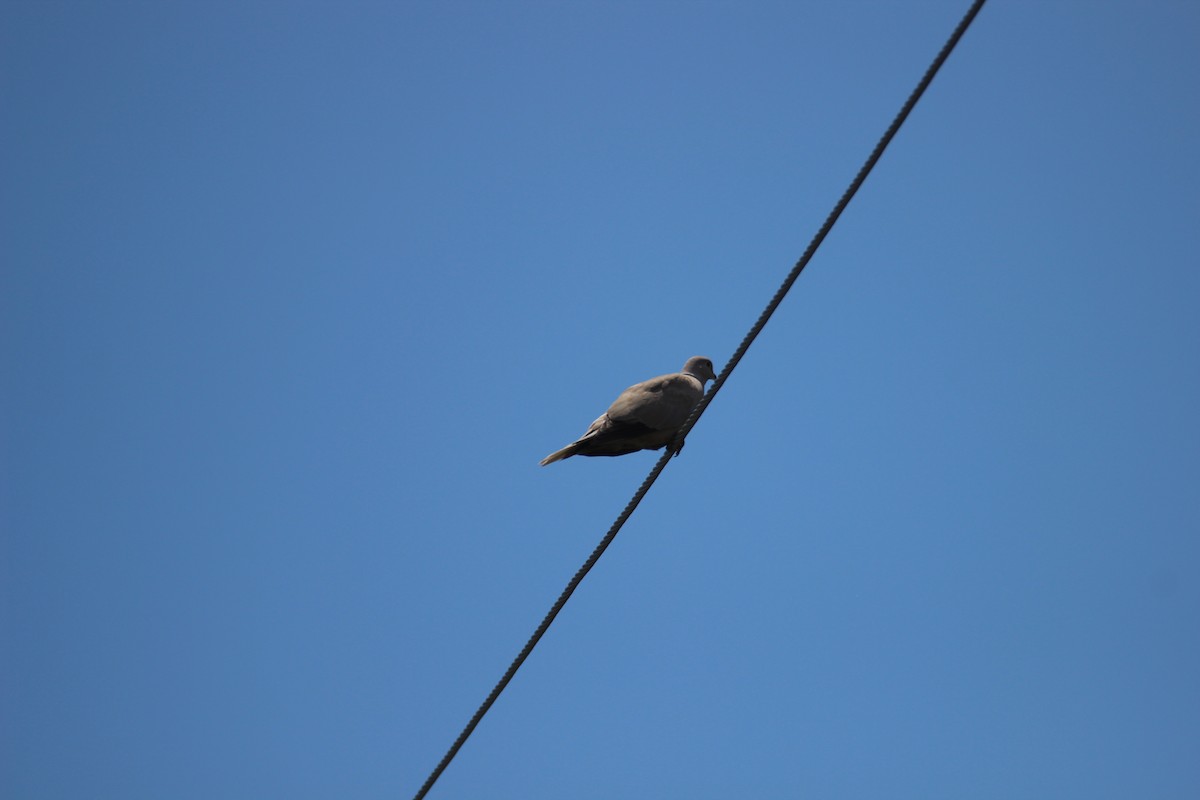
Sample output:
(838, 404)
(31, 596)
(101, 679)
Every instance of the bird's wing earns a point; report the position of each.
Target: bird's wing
(661, 403)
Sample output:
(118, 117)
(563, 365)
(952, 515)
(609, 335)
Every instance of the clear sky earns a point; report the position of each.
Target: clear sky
(294, 296)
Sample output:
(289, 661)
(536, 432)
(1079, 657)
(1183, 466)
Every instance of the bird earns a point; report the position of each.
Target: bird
(646, 416)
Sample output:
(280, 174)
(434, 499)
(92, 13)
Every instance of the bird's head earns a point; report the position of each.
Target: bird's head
(700, 368)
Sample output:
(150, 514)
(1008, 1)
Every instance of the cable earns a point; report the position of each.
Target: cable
(708, 398)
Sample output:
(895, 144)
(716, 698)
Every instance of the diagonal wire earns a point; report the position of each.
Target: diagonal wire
(884, 141)
(661, 464)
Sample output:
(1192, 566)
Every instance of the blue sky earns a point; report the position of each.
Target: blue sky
(295, 296)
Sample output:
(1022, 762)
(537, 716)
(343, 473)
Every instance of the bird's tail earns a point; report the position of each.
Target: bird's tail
(559, 455)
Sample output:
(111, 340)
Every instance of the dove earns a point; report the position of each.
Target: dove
(646, 416)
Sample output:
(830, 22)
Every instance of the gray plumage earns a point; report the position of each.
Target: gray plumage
(646, 416)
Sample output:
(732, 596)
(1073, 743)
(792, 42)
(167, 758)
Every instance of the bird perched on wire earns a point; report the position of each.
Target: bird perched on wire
(646, 416)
